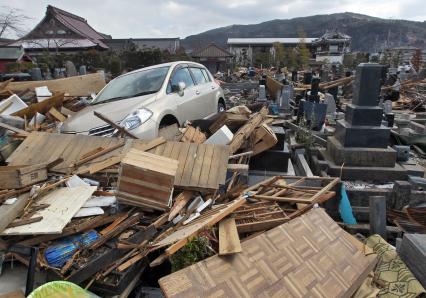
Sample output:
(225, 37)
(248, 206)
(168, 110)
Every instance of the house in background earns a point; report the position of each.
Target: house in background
(124, 44)
(331, 47)
(10, 54)
(213, 57)
(246, 49)
(61, 31)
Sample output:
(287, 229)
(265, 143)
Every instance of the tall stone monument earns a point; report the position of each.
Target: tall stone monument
(359, 148)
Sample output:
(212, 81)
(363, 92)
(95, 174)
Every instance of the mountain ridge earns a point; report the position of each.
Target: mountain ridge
(369, 34)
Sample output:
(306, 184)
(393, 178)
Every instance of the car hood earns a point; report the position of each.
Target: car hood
(85, 120)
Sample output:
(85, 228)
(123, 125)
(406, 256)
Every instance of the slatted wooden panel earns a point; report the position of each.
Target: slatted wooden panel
(310, 256)
(201, 166)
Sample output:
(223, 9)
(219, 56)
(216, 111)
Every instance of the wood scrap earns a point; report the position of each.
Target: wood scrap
(229, 241)
(57, 115)
(14, 129)
(43, 107)
(246, 130)
(122, 130)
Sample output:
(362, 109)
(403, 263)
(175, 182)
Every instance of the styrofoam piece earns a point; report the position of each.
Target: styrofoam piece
(42, 93)
(102, 201)
(17, 104)
(75, 181)
(221, 137)
(83, 212)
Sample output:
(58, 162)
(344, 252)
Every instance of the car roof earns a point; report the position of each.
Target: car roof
(169, 64)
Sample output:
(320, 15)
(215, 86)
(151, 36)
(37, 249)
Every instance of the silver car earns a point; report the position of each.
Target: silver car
(147, 99)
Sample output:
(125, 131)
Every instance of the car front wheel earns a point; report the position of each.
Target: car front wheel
(221, 107)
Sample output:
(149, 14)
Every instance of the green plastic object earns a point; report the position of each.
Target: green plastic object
(61, 289)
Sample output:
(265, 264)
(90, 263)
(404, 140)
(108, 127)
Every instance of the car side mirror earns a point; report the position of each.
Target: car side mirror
(181, 88)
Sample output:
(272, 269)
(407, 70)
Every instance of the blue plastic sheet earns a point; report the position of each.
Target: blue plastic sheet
(345, 208)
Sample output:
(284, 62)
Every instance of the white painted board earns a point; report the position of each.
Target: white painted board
(64, 204)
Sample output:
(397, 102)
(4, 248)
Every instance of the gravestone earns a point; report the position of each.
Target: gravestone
(331, 104)
(70, 69)
(360, 142)
(82, 70)
(262, 92)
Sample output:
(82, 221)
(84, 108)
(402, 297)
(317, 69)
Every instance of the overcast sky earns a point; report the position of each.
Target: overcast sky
(180, 18)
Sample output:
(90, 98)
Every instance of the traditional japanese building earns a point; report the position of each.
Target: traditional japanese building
(331, 47)
(61, 31)
(213, 57)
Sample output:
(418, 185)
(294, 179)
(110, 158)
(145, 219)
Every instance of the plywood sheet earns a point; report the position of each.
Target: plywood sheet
(64, 203)
(310, 256)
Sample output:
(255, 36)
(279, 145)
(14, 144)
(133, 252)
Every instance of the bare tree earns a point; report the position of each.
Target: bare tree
(12, 21)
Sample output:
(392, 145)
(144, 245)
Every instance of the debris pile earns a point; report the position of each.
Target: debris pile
(111, 213)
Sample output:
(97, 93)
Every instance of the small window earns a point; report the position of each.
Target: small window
(49, 32)
(182, 75)
(61, 32)
(198, 76)
(206, 75)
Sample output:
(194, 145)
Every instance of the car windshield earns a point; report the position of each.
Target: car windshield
(135, 84)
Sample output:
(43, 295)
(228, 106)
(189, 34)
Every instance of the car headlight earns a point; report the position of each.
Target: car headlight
(136, 118)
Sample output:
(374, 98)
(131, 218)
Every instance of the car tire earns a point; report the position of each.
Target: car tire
(221, 107)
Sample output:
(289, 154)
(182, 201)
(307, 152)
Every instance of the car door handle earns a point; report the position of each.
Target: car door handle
(197, 92)
(213, 87)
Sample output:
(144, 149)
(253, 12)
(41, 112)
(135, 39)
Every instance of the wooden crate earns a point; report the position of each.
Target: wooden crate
(146, 180)
(12, 177)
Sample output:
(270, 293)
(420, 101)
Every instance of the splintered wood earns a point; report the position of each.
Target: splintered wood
(308, 256)
(146, 180)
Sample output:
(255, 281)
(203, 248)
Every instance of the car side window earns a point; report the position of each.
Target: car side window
(182, 75)
(198, 75)
(206, 75)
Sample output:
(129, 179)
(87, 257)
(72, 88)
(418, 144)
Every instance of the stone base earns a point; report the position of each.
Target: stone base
(271, 160)
(362, 136)
(364, 115)
(362, 157)
(350, 173)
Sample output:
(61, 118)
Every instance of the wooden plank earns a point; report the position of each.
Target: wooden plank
(198, 165)
(96, 155)
(104, 164)
(14, 129)
(189, 165)
(41, 107)
(56, 114)
(229, 241)
(181, 200)
(207, 163)
(183, 155)
(63, 204)
(121, 129)
(9, 212)
(74, 86)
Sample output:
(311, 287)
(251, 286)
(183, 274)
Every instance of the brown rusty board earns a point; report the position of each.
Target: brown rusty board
(196, 171)
(306, 257)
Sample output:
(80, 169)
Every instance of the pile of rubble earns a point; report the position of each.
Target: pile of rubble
(120, 214)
